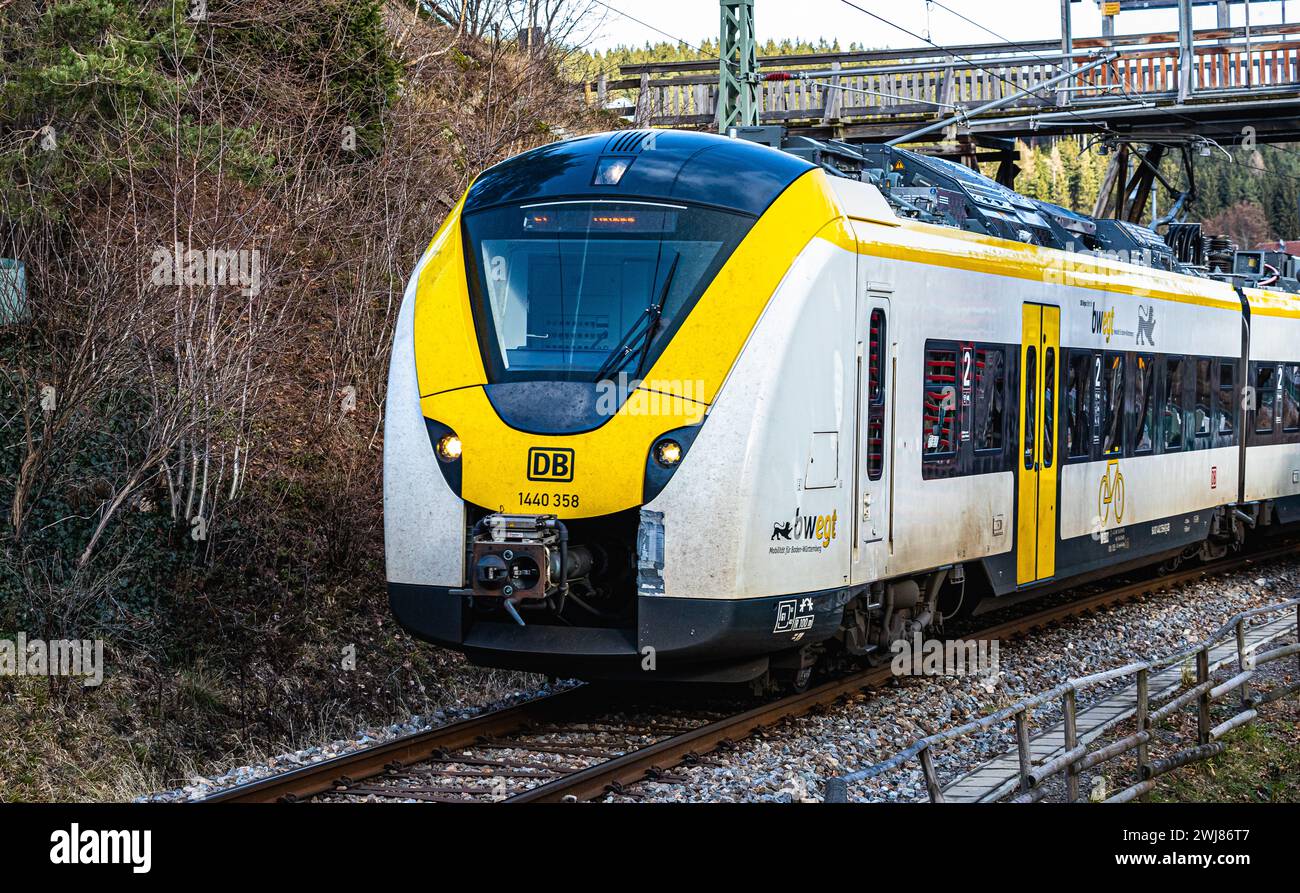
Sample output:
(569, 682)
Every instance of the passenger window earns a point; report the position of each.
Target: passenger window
(876, 396)
(939, 411)
(1144, 390)
(1113, 427)
(876, 338)
(1172, 417)
(1049, 405)
(1265, 398)
(1078, 404)
(1227, 404)
(875, 447)
(990, 397)
(1031, 404)
(1290, 406)
(1202, 420)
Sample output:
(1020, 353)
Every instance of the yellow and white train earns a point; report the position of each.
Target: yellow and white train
(678, 406)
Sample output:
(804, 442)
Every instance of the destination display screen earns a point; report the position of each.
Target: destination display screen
(594, 218)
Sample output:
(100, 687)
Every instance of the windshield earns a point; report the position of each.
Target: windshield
(582, 290)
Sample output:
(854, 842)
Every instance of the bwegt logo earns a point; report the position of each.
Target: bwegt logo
(954, 657)
(210, 268)
(82, 658)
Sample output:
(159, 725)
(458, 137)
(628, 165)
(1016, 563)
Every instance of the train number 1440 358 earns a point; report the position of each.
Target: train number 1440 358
(549, 500)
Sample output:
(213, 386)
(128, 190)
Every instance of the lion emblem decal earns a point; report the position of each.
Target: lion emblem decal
(1146, 325)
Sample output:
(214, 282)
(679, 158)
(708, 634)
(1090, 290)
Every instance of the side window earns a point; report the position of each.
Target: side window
(1049, 407)
(1172, 417)
(1227, 402)
(1144, 391)
(1265, 398)
(1112, 431)
(990, 398)
(939, 409)
(1078, 404)
(876, 396)
(1030, 385)
(1202, 421)
(876, 338)
(1290, 404)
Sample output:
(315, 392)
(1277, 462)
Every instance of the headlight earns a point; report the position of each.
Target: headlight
(668, 453)
(449, 448)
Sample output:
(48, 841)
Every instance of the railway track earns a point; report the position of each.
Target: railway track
(585, 742)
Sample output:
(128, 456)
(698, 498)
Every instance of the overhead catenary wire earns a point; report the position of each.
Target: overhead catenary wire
(616, 65)
(947, 51)
(645, 24)
(1119, 82)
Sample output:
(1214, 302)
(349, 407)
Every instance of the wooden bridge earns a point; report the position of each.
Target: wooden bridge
(1233, 78)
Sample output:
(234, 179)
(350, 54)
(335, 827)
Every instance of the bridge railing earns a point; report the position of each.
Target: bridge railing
(862, 85)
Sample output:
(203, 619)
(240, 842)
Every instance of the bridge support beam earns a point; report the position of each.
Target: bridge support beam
(1133, 177)
(737, 66)
(1067, 52)
(1186, 54)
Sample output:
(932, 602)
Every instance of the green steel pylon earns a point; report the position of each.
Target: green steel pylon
(737, 67)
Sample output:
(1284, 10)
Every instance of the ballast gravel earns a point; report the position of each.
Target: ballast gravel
(200, 787)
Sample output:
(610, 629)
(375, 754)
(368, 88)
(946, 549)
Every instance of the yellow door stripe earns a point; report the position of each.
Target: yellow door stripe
(1027, 457)
(1050, 412)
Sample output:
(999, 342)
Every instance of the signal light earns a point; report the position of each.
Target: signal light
(610, 171)
(668, 453)
(449, 448)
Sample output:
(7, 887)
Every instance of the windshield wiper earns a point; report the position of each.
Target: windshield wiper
(645, 327)
(653, 328)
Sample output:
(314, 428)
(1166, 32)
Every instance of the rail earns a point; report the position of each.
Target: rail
(1077, 757)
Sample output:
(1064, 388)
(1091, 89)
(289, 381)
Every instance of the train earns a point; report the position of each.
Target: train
(676, 406)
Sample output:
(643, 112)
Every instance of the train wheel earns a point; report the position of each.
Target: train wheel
(802, 677)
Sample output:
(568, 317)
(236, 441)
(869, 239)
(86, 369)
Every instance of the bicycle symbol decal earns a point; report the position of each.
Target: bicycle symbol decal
(1110, 493)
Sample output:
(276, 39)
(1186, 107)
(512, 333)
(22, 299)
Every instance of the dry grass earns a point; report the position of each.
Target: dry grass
(223, 651)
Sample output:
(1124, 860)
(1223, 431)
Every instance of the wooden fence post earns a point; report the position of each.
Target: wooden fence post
(1022, 747)
(1068, 704)
(1203, 702)
(1143, 722)
(1241, 661)
(931, 779)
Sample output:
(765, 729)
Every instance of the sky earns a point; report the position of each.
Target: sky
(695, 20)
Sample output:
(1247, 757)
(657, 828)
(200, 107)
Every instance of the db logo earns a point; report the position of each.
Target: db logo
(1214, 477)
(550, 464)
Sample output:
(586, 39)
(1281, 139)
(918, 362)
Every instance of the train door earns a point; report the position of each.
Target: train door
(875, 365)
(1040, 363)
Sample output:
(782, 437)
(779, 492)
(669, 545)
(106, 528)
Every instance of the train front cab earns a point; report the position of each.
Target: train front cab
(560, 357)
